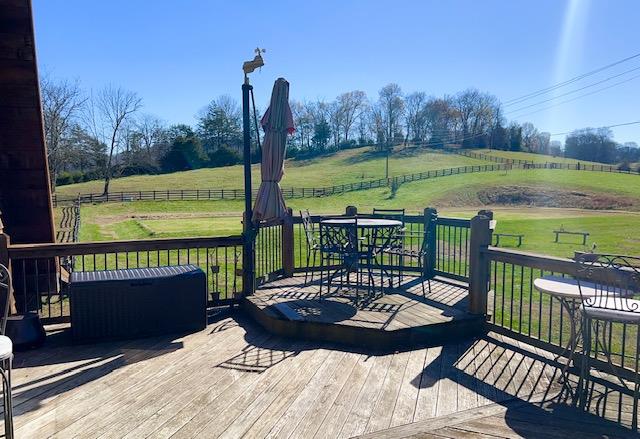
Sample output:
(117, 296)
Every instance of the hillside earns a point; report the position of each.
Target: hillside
(457, 193)
(344, 167)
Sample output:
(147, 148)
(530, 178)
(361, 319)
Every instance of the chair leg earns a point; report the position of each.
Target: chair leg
(322, 258)
(581, 391)
(636, 387)
(306, 272)
(7, 399)
(315, 253)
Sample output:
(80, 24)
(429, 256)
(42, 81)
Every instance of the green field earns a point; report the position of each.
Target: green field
(355, 165)
(613, 220)
(457, 195)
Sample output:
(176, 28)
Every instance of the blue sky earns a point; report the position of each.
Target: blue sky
(180, 55)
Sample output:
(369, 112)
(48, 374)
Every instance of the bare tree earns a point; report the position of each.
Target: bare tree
(440, 120)
(336, 121)
(350, 105)
(364, 125)
(304, 124)
(391, 106)
(150, 136)
(61, 103)
(415, 116)
(529, 136)
(107, 118)
(476, 114)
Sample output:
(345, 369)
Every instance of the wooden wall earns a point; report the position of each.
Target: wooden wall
(25, 192)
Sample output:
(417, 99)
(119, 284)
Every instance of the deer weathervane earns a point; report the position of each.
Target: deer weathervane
(256, 62)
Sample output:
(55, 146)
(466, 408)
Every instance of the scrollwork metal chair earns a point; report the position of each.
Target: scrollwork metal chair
(613, 281)
(6, 354)
(396, 214)
(343, 244)
(313, 243)
(411, 253)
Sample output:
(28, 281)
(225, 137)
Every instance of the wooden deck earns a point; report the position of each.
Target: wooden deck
(234, 379)
(409, 316)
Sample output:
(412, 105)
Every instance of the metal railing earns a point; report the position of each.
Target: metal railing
(449, 247)
(41, 272)
(515, 306)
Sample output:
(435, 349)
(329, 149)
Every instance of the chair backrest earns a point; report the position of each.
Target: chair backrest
(5, 287)
(309, 228)
(396, 214)
(610, 279)
(340, 238)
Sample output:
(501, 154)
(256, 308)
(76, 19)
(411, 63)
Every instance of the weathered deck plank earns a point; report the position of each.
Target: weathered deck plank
(234, 379)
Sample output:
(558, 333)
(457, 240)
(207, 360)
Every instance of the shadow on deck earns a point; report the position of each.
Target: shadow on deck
(412, 315)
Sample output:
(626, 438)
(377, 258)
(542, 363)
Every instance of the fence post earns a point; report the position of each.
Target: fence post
(478, 263)
(288, 261)
(430, 224)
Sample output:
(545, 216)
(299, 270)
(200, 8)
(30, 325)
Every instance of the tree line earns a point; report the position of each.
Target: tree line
(105, 134)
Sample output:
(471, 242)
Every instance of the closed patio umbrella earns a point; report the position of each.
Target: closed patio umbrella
(277, 122)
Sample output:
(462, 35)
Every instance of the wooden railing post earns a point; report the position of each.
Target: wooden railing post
(479, 264)
(288, 261)
(351, 211)
(248, 255)
(5, 242)
(430, 224)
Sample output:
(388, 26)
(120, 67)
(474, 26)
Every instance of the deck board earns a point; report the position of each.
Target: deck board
(234, 379)
(289, 307)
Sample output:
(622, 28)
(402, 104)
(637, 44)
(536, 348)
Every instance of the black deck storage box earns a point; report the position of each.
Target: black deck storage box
(116, 304)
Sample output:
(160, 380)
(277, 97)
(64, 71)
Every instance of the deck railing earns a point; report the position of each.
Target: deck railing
(449, 249)
(516, 307)
(41, 271)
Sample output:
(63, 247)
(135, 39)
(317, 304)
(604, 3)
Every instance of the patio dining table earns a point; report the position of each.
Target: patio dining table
(381, 230)
(379, 233)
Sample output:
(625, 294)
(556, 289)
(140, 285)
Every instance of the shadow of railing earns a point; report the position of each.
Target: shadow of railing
(503, 372)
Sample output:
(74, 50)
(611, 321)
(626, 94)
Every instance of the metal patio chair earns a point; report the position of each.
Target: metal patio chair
(6, 355)
(615, 280)
(343, 244)
(396, 214)
(402, 252)
(313, 243)
(396, 241)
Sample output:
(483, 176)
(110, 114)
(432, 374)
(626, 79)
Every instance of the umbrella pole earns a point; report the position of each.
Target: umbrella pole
(249, 233)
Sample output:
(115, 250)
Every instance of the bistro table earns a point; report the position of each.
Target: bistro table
(570, 296)
(380, 231)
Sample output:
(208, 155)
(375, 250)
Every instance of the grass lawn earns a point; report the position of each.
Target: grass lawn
(450, 194)
(344, 167)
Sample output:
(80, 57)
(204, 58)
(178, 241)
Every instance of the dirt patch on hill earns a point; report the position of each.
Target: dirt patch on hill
(545, 197)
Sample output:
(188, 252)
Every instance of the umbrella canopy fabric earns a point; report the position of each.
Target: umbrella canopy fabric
(277, 122)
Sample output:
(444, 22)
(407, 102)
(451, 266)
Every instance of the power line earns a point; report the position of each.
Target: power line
(579, 97)
(610, 126)
(574, 91)
(568, 81)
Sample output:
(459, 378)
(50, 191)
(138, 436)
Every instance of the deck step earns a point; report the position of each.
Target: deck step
(288, 312)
